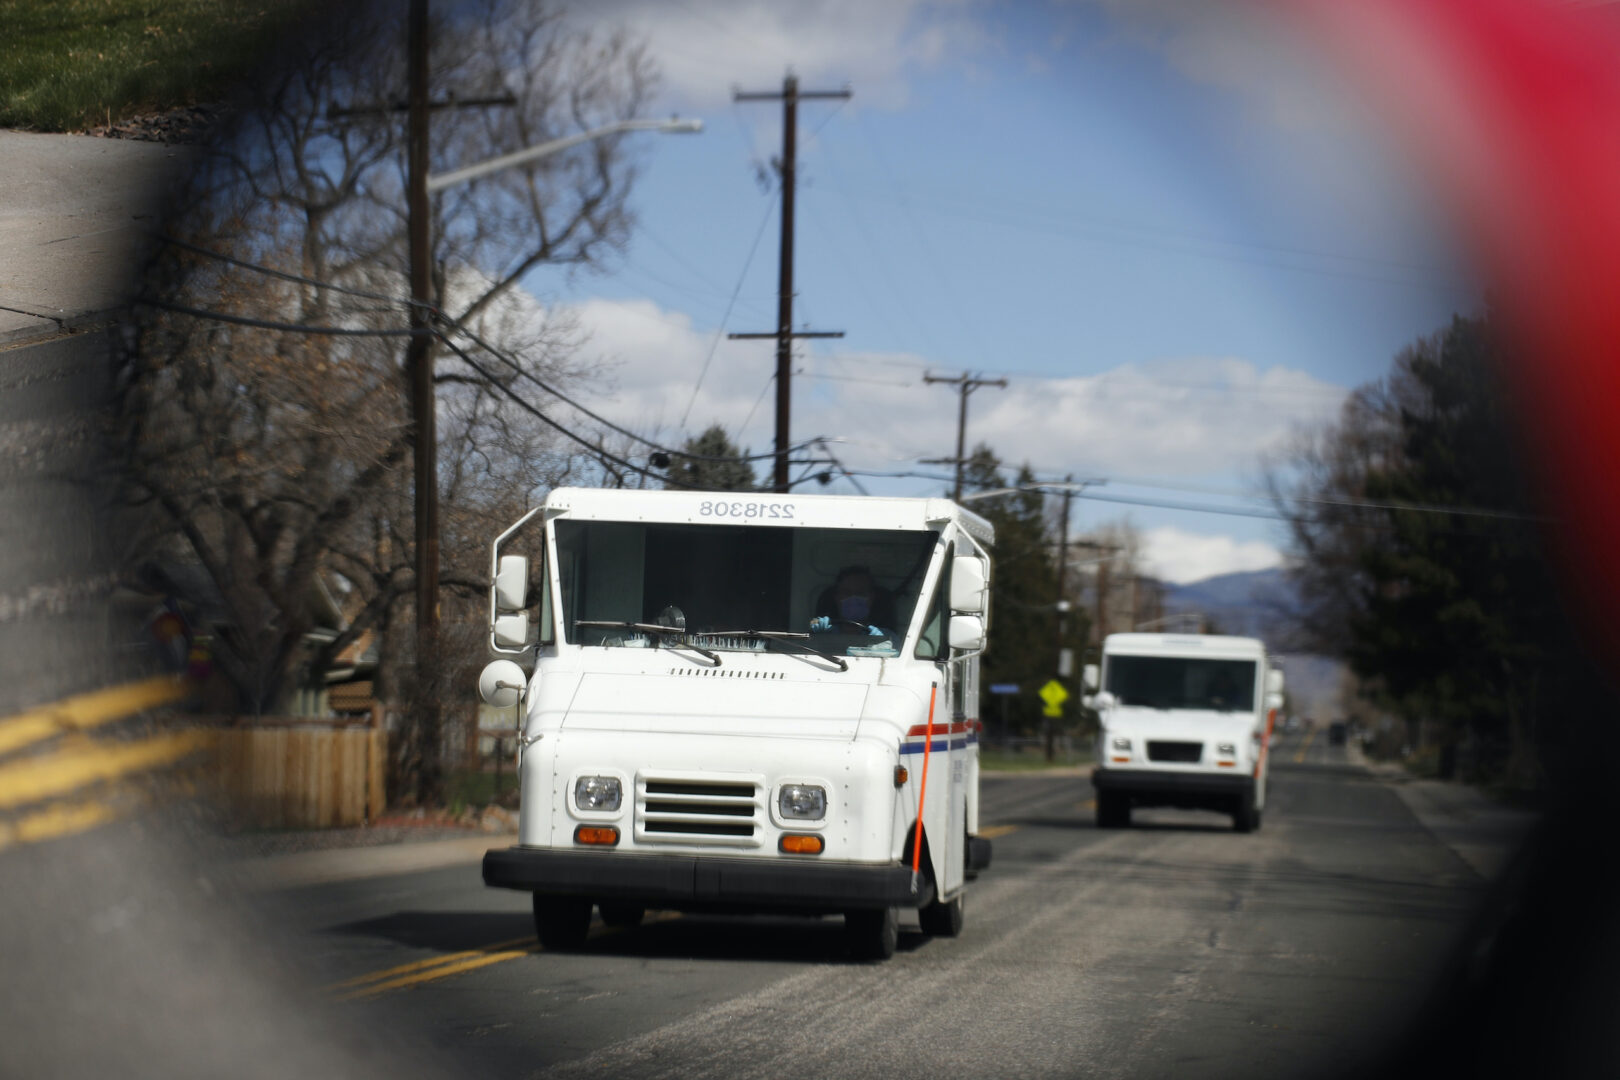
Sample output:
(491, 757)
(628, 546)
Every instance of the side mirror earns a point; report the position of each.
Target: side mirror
(512, 583)
(968, 584)
(1273, 701)
(967, 632)
(512, 631)
(1274, 681)
(1099, 701)
(502, 684)
(1089, 676)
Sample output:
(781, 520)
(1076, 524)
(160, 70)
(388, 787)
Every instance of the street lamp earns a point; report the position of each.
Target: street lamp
(672, 126)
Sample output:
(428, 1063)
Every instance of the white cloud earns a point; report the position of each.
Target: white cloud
(703, 49)
(1178, 556)
(1189, 417)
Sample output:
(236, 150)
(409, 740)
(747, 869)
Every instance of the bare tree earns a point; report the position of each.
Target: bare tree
(271, 457)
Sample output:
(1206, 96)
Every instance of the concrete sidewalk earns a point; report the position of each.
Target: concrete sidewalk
(301, 868)
(1482, 832)
(76, 213)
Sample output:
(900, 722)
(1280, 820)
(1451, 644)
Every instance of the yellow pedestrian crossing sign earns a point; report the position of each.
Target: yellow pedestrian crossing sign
(1054, 695)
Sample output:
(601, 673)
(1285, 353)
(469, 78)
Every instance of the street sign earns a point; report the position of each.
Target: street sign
(1054, 695)
(1004, 688)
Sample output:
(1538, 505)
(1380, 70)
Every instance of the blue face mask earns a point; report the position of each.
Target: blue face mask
(855, 608)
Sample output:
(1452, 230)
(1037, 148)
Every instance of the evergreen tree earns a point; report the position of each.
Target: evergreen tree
(711, 462)
(1023, 591)
(1451, 620)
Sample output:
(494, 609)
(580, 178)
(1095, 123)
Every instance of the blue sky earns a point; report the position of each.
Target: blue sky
(1162, 222)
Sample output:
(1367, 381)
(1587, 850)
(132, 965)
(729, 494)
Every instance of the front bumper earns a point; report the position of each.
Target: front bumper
(1148, 786)
(682, 881)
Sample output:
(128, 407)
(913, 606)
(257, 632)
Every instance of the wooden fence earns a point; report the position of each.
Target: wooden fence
(301, 774)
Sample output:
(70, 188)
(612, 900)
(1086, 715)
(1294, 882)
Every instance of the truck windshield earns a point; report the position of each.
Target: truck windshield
(1174, 682)
(857, 586)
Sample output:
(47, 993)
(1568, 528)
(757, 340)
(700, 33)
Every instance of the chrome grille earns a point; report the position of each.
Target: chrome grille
(699, 809)
(1175, 751)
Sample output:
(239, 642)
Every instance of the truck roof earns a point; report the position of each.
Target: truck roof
(813, 511)
(1213, 645)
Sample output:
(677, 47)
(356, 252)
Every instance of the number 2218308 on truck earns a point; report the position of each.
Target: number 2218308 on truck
(742, 702)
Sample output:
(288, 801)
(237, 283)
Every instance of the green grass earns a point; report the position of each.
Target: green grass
(71, 64)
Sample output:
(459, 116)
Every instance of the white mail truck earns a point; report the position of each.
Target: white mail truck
(1184, 720)
(742, 703)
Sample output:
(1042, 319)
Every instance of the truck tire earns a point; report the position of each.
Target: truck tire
(622, 914)
(561, 922)
(1113, 810)
(872, 934)
(1246, 818)
(941, 919)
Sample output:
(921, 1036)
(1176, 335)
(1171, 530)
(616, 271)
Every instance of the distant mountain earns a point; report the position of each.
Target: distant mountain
(1262, 604)
(1256, 603)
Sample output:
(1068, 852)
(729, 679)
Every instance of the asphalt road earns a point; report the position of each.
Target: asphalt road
(1176, 945)
(58, 547)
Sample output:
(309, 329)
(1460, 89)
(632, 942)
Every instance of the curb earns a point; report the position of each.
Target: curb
(68, 325)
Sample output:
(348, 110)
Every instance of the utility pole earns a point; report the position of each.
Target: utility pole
(965, 385)
(424, 425)
(790, 97)
(1063, 669)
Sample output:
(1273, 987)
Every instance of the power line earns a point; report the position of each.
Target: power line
(259, 268)
(626, 432)
(530, 408)
(269, 324)
(719, 330)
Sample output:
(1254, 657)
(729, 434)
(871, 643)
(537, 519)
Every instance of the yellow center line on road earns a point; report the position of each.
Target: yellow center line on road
(439, 967)
(83, 712)
(440, 972)
(54, 822)
(450, 958)
(1299, 758)
(992, 831)
(36, 779)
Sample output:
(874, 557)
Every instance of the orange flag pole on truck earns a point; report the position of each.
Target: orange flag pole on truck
(922, 792)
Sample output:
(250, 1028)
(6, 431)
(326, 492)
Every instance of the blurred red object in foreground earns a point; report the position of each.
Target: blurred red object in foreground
(1513, 108)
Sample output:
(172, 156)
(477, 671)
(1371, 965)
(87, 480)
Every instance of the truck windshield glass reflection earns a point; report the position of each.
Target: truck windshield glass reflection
(1164, 682)
(852, 590)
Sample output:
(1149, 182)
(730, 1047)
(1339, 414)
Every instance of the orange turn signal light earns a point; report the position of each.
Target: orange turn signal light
(1124, 759)
(596, 834)
(901, 776)
(800, 845)
(1227, 764)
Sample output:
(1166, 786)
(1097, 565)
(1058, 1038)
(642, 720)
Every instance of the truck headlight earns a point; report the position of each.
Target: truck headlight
(805, 801)
(1122, 744)
(1226, 749)
(598, 793)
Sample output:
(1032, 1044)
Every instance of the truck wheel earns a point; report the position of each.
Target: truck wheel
(622, 914)
(1246, 818)
(561, 922)
(1113, 810)
(872, 935)
(941, 919)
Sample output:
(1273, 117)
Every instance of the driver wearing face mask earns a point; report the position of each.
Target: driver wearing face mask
(855, 603)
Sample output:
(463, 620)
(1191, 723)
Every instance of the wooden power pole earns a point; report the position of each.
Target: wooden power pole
(965, 384)
(790, 96)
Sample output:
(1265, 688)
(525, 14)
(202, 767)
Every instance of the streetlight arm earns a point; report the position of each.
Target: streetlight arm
(519, 157)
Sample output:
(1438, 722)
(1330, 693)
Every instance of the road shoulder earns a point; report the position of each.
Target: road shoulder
(1481, 831)
(267, 873)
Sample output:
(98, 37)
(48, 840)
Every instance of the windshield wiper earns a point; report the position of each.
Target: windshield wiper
(651, 628)
(782, 635)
